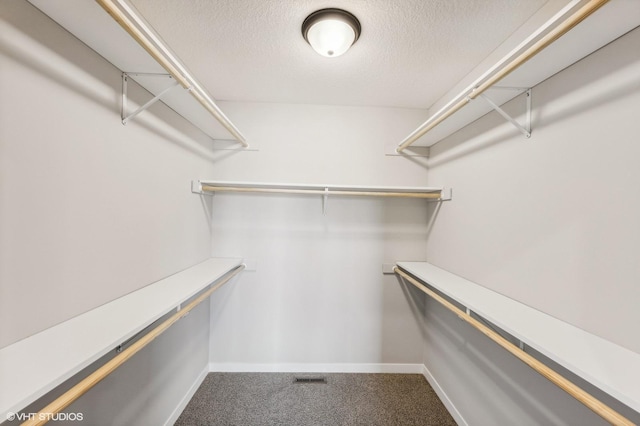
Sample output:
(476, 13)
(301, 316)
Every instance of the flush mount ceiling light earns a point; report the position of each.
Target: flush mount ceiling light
(331, 32)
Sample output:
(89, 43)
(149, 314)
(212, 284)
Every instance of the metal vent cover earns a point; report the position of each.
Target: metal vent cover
(322, 380)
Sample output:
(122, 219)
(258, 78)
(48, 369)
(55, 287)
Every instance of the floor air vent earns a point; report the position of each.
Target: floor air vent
(310, 380)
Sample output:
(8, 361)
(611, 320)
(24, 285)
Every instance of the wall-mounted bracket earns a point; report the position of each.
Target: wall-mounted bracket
(250, 265)
(125, 77)
(388, 268)
(526, 129)
(391, 149)
(446, 194)
(325, 201)
(196, 188)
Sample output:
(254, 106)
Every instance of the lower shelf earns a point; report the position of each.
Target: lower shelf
(610, 367)
(36, 365)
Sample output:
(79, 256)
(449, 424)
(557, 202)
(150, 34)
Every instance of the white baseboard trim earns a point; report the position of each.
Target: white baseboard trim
(443, 397)
(316, 368)
(187, 397)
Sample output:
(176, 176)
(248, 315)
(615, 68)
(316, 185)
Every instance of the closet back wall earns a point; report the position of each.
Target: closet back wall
(317, 299)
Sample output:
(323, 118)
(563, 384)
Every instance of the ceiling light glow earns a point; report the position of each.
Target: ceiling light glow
(331, 32)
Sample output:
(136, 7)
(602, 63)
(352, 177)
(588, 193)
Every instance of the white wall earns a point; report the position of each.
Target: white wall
(318, 295)
(551, 222)
(90, 209)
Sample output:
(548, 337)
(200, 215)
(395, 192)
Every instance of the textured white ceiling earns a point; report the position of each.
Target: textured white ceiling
(409, 54)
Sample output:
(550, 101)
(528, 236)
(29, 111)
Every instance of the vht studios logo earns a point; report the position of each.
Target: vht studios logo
(50, 417)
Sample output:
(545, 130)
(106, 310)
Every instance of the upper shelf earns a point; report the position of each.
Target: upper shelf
(610, 21)
(89, 22)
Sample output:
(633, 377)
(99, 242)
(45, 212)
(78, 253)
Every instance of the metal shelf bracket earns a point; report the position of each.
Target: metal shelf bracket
(125, 77)
(526, 129)
(325, 201)
(196, 188)
(446, 194)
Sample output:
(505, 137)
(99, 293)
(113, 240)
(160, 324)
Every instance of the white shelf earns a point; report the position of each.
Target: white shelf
(610, 367)
(314, 188)
(34, 366)
(90, 23)
(611, 21)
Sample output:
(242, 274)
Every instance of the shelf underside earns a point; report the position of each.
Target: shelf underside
(87, 21)
(610, 22)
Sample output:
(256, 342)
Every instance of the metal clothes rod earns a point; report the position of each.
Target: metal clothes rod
(595, 405)
(428, 195)
(485, 82)
(94, 378)
(141, 31)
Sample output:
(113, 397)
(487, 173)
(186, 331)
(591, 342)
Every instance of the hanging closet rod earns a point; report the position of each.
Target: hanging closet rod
(430, 195)
(97, 376)
(503, 68)
(595, 405)
(142, 32)
(406, 192)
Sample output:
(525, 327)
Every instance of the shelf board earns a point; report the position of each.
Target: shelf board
(611, 21)
(610, 367)
(87, 21)
(328, 189)
(36, 365)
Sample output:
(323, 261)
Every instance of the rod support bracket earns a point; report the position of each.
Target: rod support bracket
(325, 201)
(196, 188)
(524, 129)
(446, 194)
(125, 78)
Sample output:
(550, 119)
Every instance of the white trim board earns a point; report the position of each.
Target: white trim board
(448, 404)
(187, 397)
(315, 368)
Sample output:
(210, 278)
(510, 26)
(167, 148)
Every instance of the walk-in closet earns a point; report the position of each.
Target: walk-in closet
(312, 212)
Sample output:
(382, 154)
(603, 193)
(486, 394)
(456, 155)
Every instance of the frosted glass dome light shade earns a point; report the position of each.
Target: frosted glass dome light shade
(331, 32)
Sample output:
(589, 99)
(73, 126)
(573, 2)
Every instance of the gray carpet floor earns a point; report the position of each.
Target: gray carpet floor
(256, 399)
